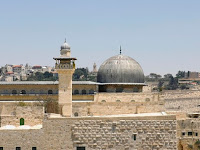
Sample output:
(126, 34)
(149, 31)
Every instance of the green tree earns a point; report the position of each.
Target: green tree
(180, 74)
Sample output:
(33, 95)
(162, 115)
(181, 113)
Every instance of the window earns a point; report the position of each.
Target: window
(132, 100)
(34, 148)
(1, 148)
(75, 114)
(23, 92)
(196, 134)
(91, 91)
(14, 91)
(118, 101)
(80, 148)
(135, 89)
(50, 92)
(76, 92)
(183, 133)
(18, 148)
(189, 133)
(83, 91)
(21, 121)
(134, 137)
(119, 89)
(103, 101)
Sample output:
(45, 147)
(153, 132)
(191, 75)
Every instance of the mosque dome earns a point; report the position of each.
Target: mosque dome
(120, 69)
(65, 45)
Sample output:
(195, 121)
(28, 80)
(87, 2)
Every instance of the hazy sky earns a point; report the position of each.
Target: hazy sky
(163, 36)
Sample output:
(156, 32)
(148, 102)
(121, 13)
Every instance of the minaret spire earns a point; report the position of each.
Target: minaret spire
(65, 40)
(120, 50)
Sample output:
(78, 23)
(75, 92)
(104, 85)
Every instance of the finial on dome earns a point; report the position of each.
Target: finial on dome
(65, 40)
(120, 50)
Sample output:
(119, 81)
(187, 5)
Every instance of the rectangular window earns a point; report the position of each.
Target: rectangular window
(80, 148)
(183, 133)
(18, 148)
(196, 134)
(34, 148)
(189, 133)
(1, 148)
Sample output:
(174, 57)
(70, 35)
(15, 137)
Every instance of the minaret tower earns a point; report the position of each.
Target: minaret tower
(65, 67)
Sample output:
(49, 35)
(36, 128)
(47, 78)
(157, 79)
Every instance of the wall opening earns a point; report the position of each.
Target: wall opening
(91, 91)
(80, 148)
(134, 137)
(75, 114)
(23, 92)
(189, 133)
(34, 148)
(21, 121)
(18, 148)
(83, 91)
(1, 148)
(14, 91)
(119, 89)
(76, 91)
(50, 92)
(135, 89)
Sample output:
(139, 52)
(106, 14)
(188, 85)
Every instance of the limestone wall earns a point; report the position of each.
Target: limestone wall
(188, 105)
(115, 108)
(116, 133)
(10, 115)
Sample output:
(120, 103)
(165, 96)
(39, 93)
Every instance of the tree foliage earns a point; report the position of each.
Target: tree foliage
(39, 76)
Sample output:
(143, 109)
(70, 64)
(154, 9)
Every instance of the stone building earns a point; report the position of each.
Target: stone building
(112, 113)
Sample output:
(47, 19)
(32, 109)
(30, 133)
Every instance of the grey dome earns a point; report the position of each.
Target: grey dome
(120, 69)
(65, 46)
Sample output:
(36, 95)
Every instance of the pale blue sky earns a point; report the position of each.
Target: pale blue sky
(162, 35)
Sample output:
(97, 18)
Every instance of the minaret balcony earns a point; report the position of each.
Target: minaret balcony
(64, 66)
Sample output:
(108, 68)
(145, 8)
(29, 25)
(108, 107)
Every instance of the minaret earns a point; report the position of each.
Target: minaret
(65, 67)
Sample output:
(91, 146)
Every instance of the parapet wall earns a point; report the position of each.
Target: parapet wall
(120, 133)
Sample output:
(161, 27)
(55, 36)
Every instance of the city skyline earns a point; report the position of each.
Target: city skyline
(162, 36)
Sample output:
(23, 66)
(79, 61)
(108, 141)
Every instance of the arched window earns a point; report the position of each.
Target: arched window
(91, 91)
(135, 89)
(41, 92)
(75, 114)
(14, 91)
(83, 91)
(32, 91)
(23, 92)
(50, 92)
(76, 91)
(119, 89)
(21, 121)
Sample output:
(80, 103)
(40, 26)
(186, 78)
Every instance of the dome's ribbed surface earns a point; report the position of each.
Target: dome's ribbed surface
(120, 69)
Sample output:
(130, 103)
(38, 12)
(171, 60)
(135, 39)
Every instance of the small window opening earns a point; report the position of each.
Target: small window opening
(83, 91)
(103, 101)
(134, 137)
(76, 92)
(80, 148)
(196, 134)
(50, 92)
(23, 92)
(118, 101)
(1, 148)
(189, 133)
(18, 148)
(113, 128)
(14, 91)
(34, 148)
(91, 91)
(183, 133)
(21, 121)
(75, 114)
(132, 100)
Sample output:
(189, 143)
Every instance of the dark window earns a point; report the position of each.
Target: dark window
(189, 133)
(83, 91)
(76, 92)
(91, 91)
(134, 137)
(119, 89)
(135, 89)
(18, 148)
(23, 92)
(183, 133)
(50, 92)
(14, 91)
(196, 134)
(34, 148)
(21, 121)
(1, 148)
(80, 148)
(75, 114)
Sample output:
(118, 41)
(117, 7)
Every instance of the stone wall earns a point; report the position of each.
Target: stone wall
(10, 115)
(187, 105)
(116, 133)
